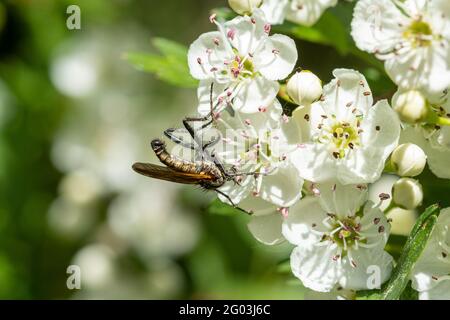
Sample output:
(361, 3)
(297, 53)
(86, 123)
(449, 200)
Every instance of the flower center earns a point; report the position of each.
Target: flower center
(344, 232)
(341, 136)
(419, 33)
(240, 68)
(344, 137)
(348, 232)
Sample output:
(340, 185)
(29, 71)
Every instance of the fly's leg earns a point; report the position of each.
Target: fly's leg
(169, 133)
(226, 196)
(211, 143)
(219, 164)
(232, 203)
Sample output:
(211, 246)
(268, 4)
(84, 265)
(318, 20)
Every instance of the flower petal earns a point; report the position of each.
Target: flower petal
(347, 91)
(204, 96)
(381, 129)
(278, 57)
(432, 264)
(341, 200)
(315, 267)
(254, 94)
(440, 292)
(375, 25)
(423, 68)
(248, 32)
(366, 264)
(303, 218)
(314, 163)
(308, 12)
(200, 61)
(375, 227)
(282, 188)
(274, 10)
(267, 228)
(236, 193)
(361, 166)
(437, 158)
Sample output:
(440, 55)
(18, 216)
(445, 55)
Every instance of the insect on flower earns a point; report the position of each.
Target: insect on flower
(208, 172)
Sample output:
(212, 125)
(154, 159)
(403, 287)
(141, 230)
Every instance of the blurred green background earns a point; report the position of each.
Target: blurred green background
(74, 116)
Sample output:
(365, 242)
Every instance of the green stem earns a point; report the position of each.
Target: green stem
(434, 118)
(389, 167)
(282, 93)
(443, 121)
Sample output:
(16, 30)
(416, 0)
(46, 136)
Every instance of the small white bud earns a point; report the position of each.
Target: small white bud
(408, 160)
(402, 221)
(304, 87)
(244, 6)
(411, 106)
(407, 193)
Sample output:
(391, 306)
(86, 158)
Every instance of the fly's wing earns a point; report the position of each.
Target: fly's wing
(167, 174)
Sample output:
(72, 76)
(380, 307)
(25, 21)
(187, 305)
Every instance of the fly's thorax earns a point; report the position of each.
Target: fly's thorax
(211, 169)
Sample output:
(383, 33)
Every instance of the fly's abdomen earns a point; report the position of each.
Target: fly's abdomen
(159, 147)
(209, 175)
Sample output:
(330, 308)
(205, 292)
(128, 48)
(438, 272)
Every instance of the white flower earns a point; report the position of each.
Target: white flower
(426, 111)
(308, 12)
(411, 106)
(338, 236)
(266, 220)
(304, 87)
(438, 159)
(275, 10)
(411, 37)
(243, 60)
(305, 12)
(438, 135)
(408, 160)
(431, 274)
(260, 145)
(407, 193)
(350, 139)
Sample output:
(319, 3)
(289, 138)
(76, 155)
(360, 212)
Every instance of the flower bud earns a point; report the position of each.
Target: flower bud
(408, 160)
(244, 6)
(411, 106)
(304, 87)
(402, 221)
(407, 193)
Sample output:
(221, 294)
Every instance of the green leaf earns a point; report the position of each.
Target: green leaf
(171, 66)
(409, 293)
(395, 245)
(368, 295)
(220, 208)
(170, 48)
(430, 211)
(411, 252)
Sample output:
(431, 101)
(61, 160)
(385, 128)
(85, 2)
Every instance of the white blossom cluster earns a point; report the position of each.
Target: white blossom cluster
(412, 37)
(305, 177)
